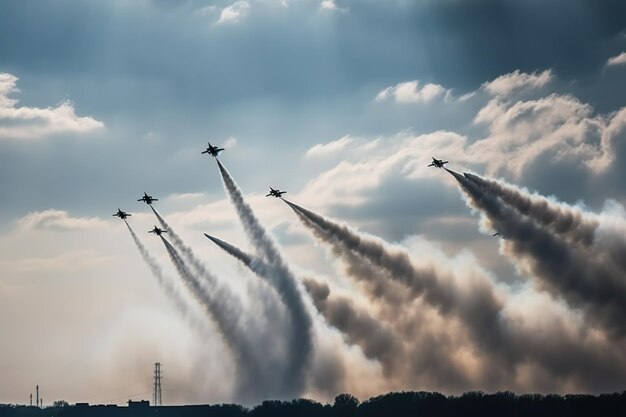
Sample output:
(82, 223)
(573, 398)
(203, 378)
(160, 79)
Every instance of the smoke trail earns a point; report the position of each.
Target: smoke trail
(358, 326)
(566, 270)
(557, 351)
(167, 285)
(226, 313)
(240, 255)
(479, 307)
(283, 280)
(602, 235)
(209, 279)
(570, 223)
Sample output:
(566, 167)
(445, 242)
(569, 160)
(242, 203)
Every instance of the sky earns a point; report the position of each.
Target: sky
(342, 103)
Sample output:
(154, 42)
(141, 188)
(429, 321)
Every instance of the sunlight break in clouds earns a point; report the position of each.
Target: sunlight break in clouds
(34, 122)
(234, 13)
(59, 220)
(410, 92)
(617, 60)
(507, 83)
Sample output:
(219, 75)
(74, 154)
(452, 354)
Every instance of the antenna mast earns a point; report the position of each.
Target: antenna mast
(156, 393)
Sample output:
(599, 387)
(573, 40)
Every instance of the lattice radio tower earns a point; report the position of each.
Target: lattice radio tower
(156, 394)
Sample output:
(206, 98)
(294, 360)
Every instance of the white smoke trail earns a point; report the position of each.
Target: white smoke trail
(167, 284)
(282, 279)
(358, 326)
(226, 313)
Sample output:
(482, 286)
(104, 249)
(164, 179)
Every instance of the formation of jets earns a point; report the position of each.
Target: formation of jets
(213, 150)
(439, 163)
(157, 231)
(121, 214)
(275, 193)
(148, 199)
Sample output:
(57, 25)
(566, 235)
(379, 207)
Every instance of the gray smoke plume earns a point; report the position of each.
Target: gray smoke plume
(282, 279)
(479, 308)
(503, 344)
(565, 269)
(226, 312)
(570, 223)
(359, 327)
(596, 233)
(167, 284)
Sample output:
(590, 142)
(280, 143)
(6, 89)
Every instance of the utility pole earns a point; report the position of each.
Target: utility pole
(156, 393)
(37, 398)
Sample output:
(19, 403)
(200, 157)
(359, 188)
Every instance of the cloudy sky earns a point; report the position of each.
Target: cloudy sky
(342, 103)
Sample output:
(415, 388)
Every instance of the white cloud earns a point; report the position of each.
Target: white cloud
(33, 122)
(234, 13)
(58, 220)
(410, 92)
(507, 83)
(617, 60)
(331, 5)
(321, 150)
(558, 127)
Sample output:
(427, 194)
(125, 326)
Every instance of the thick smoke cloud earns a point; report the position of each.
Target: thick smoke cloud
(300, 337)
(506, 350)
(359, 327)
(568, 222)
(567, 270)
(478, 308)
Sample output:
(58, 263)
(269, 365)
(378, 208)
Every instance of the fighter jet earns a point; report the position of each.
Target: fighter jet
(157, 231)
(439, 163)
(148, 199)
(213, 150)
(275, 193)
(121, 214)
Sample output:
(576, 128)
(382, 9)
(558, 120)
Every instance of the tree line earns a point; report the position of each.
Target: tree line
(396, 404)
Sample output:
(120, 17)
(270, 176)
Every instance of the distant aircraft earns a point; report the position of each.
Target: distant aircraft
(121, 214)
(497, 234)
(157, 231)
(148, 199)
(275, 193)
(213, 150)
(439, 163)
